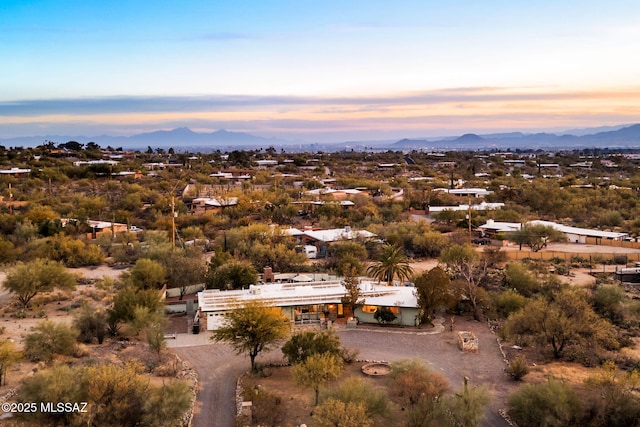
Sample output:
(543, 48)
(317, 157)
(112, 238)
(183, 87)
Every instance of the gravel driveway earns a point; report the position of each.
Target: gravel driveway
(218, 366)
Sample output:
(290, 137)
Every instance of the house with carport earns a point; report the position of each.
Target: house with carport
(313, 302)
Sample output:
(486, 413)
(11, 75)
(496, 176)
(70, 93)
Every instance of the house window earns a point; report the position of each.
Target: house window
(373, 308)
(369, 308)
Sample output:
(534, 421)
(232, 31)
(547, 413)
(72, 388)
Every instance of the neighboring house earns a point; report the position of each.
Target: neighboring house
(311, 302)
(334, 193)
(266, 163)
(321, 239)
(484, 206)
(158, 165)
(95, 162)
(201, 205)
(470, 192)
(579, 235)
(101, 227)
(238, 175)
(16, 172)
(492, 228)
(573, 234)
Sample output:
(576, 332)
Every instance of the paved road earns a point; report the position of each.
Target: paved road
(218, 366)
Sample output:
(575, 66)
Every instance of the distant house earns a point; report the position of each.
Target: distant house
(200, 205)
(515, 162)
(337, 194)
(466, 192)
(95, 162)
(266, 163)
(579, 235)
(484, 206)
(573, 234)
(158, 165)
(312, 302)
(321, 239)
(17, 172)
(99, 228)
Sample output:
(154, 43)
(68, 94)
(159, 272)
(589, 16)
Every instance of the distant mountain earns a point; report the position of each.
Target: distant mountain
(591, 131)
(179, 138)
(625, 137)
(184, 139)
(469, 137)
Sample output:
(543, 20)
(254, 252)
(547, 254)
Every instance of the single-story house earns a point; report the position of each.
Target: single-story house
(573, 234)
(579, 235)
(484, 206)
(201, 205)
(311, 302)
(15, 171)
(466, 192)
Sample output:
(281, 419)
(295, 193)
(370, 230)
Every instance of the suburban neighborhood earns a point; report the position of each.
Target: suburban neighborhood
(376, 267)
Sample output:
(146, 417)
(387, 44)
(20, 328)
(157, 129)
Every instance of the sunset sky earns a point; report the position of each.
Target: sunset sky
(317, 70)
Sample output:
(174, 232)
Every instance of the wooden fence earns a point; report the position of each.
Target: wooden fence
(596, 258)
(615, 243)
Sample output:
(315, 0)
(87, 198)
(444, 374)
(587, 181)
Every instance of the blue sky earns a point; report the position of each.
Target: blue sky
(317, 71)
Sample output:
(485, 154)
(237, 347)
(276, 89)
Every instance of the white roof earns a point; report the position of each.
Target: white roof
(291, 294)
(458, 191)
(580, 231)
(266, 162)
(14, 170)
(336, 234)
(515, 226)
(333, 202)
(212, 201)
(499, 226)
(484, 206)
(327, 190)
(95, 162)
(292, 231)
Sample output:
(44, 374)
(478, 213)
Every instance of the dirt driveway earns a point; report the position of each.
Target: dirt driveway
(218, 367)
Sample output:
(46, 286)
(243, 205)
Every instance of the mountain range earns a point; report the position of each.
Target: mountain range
(184, 139)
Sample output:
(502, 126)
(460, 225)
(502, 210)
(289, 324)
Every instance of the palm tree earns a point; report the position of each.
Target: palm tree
(392, 262)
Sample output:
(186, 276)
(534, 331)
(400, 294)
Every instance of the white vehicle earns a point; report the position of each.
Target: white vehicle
(309, 250)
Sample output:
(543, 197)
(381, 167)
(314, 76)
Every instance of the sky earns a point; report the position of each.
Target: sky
(317, 71)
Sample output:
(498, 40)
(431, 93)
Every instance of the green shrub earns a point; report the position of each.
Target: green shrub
(49, 339)
(518, 368)
(553, 403)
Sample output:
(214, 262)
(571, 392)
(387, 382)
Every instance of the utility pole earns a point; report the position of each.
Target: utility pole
(173, 223)
(10, 200)
(469, 219)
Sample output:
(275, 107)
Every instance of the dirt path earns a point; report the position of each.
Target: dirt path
(218, 368)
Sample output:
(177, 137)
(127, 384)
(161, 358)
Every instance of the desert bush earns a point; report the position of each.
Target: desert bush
(49, 339)
(520, 279)
(553, 403)
(266, 407)
(92, 324)
(337, 413)
(302, 345)
(509, 302)
(384, 316)
(518, 368)
(361, 391)
(411, 383)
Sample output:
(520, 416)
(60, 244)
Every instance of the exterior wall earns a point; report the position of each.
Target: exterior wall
(175, 292)
(298, 317)
(405, 317)
(121, 228)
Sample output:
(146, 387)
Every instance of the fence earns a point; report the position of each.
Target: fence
(568, 256)
(609, 242)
